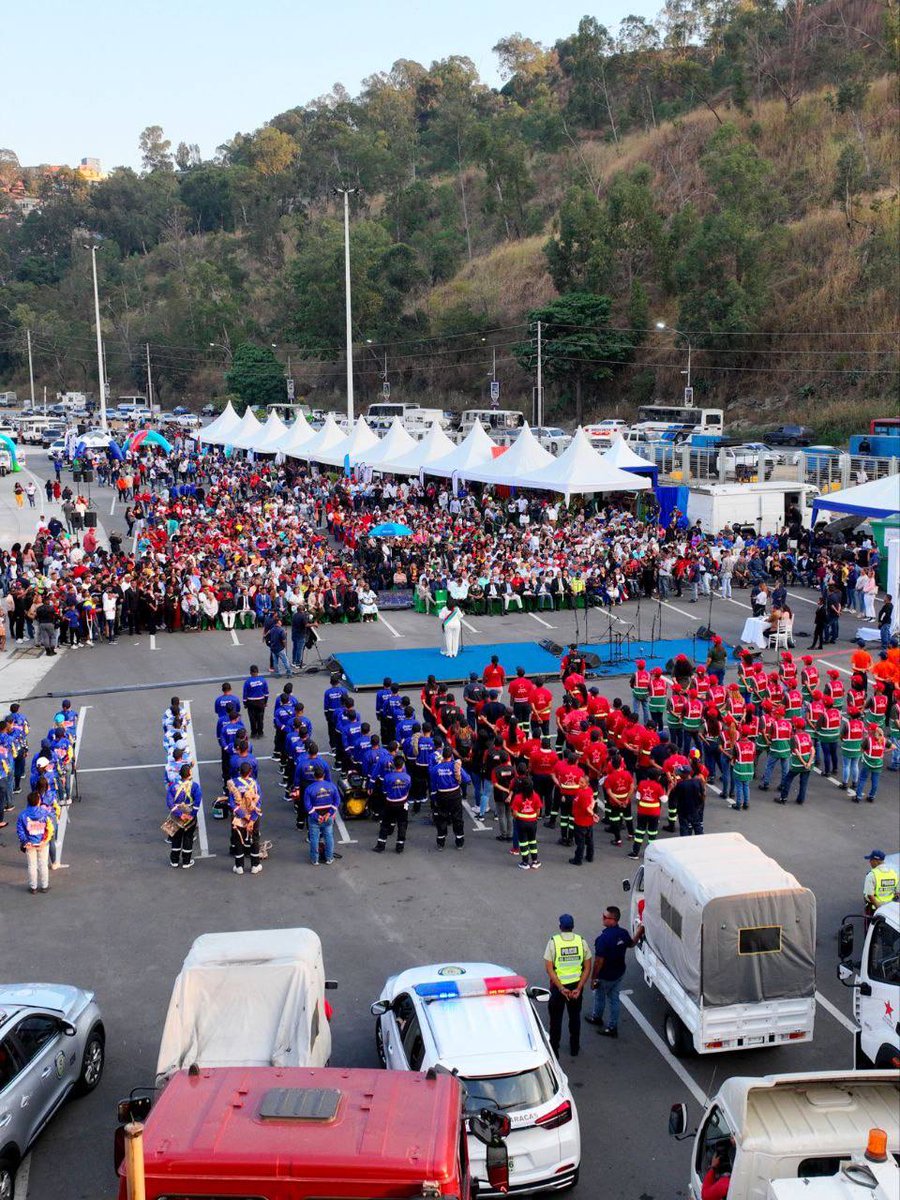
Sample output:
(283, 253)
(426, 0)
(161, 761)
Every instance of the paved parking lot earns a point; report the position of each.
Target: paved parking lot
(119, 921)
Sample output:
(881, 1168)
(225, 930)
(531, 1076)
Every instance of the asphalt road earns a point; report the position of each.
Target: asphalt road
(120, 922)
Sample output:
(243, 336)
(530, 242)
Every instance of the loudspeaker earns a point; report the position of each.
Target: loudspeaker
(705, 634)
(551, 647)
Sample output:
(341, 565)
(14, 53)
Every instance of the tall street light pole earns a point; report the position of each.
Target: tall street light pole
(687, 373)
(101, 374)
(347, 193)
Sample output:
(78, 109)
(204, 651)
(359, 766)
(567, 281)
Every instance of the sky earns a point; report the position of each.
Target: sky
(93, 75)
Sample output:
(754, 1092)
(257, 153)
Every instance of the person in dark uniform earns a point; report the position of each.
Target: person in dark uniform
(183, 800)
(256, 697)
(447, 777)
(396, 785)
(567, 961)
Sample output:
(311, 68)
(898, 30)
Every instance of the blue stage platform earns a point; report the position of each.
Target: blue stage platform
(367, 668)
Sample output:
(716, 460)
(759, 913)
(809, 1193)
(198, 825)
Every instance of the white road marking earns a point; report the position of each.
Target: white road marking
(390, 626)
(112, 507)
(737, 602)
(690, 616)
(660, 1046)
(200, 762)
(541, 621)
(201, 815)
(471, 628)
(343, 836)
(479, 825)
(805, 599)
(152, 641)
(835, 1012)
(234, 638)
(843, 670)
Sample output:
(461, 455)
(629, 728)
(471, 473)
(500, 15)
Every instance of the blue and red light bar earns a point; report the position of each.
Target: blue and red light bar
(455, 989)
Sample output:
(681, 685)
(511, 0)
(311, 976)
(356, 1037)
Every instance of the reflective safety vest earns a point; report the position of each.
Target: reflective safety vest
(815, 714)
(568, 958)
(873, 752)
(829, 725)
(788, 673)
(834, 691)
(887, 881)
(742, 762)
(640, 689)
(737, 706)
(658, 693)
(649, 796)
(877, 708)
(693, 713)
(801, 748)
(779, 737)
(717, 696)
(855, 701)
(794, 703)
(852, 732)
(675, 711)
(809, 679)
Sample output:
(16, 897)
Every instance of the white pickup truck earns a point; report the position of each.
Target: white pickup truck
(790, 1127)
(875, 979)
(729, 941)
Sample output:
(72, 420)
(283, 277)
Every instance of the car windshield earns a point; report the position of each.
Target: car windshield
(505, 1092)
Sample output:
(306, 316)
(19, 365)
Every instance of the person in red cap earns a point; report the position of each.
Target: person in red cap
(658, 697)
(800, 764)
(874, 748)
(877, 707)
(640, 690)
(717, 659)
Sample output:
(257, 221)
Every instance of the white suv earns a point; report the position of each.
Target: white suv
(477, 1020)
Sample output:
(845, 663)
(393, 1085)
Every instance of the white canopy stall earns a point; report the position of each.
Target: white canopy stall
(395, 443)
(271, 432)
(329, 436)
(476, 450)
(525, 456)
(433, 446)
(294, 437)
(580, 469)
(225, 423)
(362, 439)
(247, 433)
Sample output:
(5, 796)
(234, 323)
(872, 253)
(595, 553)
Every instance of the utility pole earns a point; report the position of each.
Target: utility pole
(149, 381)
(30, 368)
(540, 384)
(45, 401)
(101, 374)
(347, 193)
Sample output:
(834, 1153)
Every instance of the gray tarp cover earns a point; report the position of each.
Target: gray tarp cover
(695, 886)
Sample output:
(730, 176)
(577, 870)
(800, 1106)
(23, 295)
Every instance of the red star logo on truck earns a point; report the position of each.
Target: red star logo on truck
(888, 1009)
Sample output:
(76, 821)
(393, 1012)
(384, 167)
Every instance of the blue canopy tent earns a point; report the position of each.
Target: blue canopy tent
(879, 498)
(621, 455)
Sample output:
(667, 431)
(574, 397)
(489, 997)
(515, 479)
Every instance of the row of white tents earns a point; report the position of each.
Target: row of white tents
(526, 464)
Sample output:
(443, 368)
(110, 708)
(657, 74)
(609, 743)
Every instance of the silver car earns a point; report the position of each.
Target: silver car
(52, 1043)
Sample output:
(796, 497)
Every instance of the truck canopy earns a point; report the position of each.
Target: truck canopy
(253, 998)
(731, 924)
(387, 1129)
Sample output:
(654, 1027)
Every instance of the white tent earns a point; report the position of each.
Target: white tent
(395, 443)
(270, 433)
(879, 498)
(246, 433)
(579, 469)
(621, 455)
(433, 446)
(361, 439)
(328, 436)
(295, 437)
(476, 450)
(226, 422)
(524, 457)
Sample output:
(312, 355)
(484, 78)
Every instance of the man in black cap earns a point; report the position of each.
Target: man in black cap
(567, 961)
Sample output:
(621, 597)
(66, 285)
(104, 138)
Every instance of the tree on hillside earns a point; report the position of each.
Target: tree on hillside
(256, 375)
(579, 349)
(155, 149)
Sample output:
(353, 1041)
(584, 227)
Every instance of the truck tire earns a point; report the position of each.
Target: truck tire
(7, 1177)
(678, 1039)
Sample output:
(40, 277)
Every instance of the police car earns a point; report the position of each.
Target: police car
(478, 1020)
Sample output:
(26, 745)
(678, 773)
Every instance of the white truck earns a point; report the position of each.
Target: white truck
(253, 998)
(729, 941)
(863, 1178)
(875, 980)
(790, 1127)
(764, 505)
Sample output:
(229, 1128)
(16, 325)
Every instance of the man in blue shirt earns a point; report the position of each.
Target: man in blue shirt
(256, 697)
(321, 800)
(396, 784)
(222, 702)
(609, 969)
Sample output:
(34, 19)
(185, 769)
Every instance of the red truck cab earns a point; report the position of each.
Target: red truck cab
(293, 1133)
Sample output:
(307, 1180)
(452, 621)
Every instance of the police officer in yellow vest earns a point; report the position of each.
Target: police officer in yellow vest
(881, 884)
(567, 960)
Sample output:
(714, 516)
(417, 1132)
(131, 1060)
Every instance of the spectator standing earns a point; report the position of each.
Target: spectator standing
(609, 969)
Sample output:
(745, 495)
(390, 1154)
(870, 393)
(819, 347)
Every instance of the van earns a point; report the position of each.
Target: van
(729, 942)
(875, 979)
(8, 399)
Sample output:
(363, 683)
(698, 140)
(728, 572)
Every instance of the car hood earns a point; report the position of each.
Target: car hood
(59, 996)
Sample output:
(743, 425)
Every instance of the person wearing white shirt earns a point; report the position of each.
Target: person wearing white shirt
(458, 590)
(451, 623)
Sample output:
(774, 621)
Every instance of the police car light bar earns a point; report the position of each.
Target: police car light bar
(455, 989)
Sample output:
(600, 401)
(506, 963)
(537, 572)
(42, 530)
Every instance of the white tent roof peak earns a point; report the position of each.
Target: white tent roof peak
(271, 432)
(434, 445)
(328, 436)
(360, 439)
(226, 422)
(621, 455)
(579, 469)
(246, 433)
(294, 437)
(475, 450)
(395, 443)
(526, 455)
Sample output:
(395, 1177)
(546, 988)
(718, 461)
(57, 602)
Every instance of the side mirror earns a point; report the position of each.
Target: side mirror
(380, 1007)
(845, 941)
(497, 1162)
(540, 994)
(331, 985)
(68, 1028)
(135, 1108)
(677, 1120)
(118, 1147)
(626, 885)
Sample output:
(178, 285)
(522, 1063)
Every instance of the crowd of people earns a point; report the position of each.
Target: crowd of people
(213, 542)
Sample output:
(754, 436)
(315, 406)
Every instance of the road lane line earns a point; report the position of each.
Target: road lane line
(541, 621)
(201, 815)
(690, 616)
(471, 628)
(200, 762)
(835, 1012)
(234, 638)
(390, 626)
(479, 825)
(737, 602)
(343, 836)
(805, 599)
(660, 1046)
(843, 670)
(112, 507)
(152, 641)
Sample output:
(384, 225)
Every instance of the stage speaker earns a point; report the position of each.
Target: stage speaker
(705, 634)
(551, 647)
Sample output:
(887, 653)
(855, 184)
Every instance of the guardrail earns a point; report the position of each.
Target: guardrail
(826, 471)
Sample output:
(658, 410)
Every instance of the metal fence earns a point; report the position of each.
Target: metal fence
(828, 472)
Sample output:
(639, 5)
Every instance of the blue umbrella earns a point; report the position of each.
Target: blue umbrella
(390, 529)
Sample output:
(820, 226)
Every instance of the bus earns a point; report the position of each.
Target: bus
(884, 427)
(882, 440)
(668, 420)
(494, 420)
